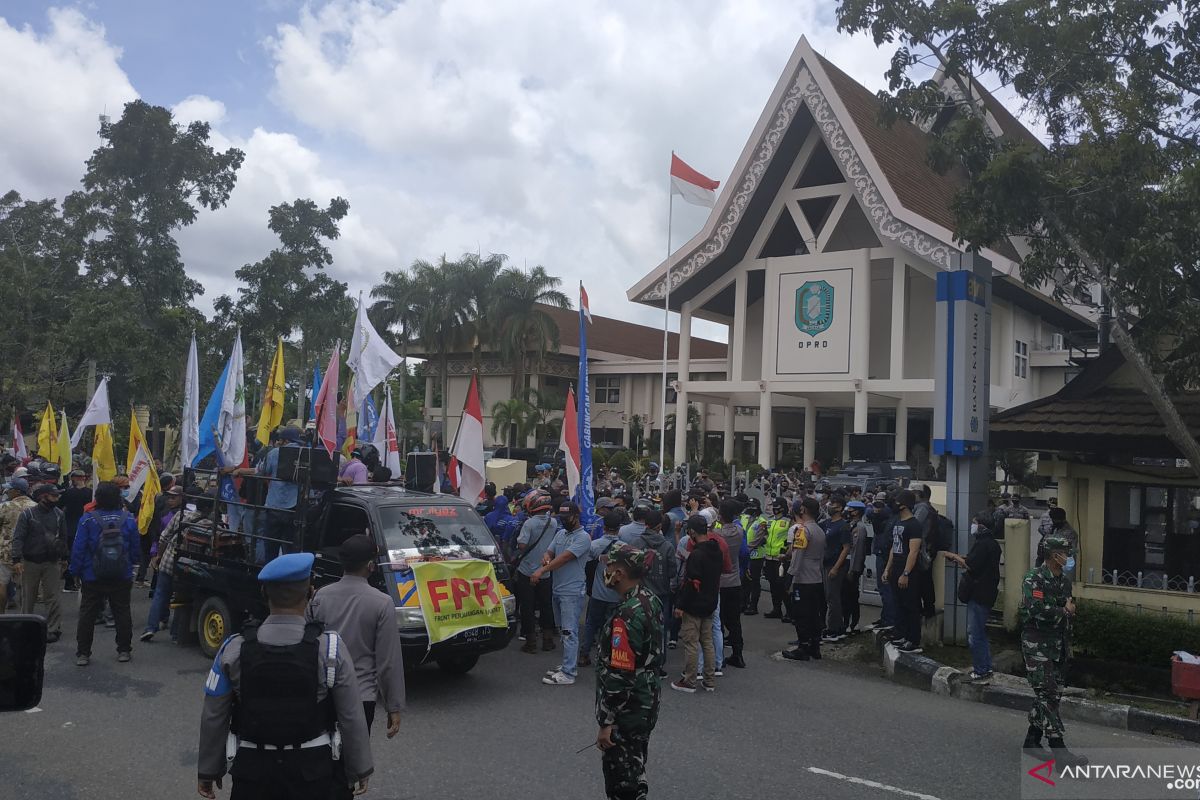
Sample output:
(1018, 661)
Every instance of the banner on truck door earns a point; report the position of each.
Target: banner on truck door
(457, 596)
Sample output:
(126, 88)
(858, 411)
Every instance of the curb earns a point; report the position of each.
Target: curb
(920, 672)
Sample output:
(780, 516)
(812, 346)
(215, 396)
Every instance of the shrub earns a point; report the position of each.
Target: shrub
(1114, 633)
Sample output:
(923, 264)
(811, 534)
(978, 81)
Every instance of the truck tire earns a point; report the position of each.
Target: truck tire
(214, 624)
(457, 665)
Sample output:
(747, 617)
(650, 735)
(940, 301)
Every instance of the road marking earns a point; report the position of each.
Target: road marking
(870, 783)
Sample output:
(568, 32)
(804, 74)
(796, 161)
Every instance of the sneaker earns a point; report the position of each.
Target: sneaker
(82, 661)
(709, 687)
(520, 638)
(683, 685)
(146, 636)
(559, 678)
(70, 590)
(976, 677)
(124, 656)
(554, 670)
(110, 623)
(719, 672)
(908, 647)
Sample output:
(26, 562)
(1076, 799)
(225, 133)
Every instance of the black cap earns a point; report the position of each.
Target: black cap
(568, 507)
(697, 524)
(358, 549)
(45, 488)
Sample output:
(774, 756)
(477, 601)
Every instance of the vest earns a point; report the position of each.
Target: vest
(776, 544)
(277, 699)
(748, 525)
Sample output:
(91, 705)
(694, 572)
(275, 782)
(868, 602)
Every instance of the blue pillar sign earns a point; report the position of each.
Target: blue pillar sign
(960, 413)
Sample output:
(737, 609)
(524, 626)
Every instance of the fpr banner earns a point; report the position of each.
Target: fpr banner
(457, 596)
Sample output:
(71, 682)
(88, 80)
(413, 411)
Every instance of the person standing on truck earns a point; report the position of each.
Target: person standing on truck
(286, 691)
(365, 618)
(279, 522)
(533, 597)
(354, 471)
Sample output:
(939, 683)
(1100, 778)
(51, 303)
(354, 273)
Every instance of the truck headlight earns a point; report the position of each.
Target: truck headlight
(409, 617)
(510, 605)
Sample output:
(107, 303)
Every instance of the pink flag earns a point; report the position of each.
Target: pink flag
(468, 447)
(326, 405)
(569, 442)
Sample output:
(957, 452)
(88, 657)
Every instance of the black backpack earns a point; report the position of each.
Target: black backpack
(941, 533)
(110, 562)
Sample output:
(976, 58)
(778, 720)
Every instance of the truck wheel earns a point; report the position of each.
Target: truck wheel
(457, 665)
(214, 624)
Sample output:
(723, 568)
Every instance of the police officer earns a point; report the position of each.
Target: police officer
(1047, 610)
(773, 550)
(755, 526)
(627, 675)
(277, 698)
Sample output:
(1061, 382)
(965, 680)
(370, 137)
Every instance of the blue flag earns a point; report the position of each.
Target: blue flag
(587, 496)
(211, 419)
(368, 419)
(316, 390)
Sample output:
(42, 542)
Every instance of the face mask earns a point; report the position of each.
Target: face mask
(1070, 563)
(610, 579)
(974, 528)
(567, 522)
(125, 494)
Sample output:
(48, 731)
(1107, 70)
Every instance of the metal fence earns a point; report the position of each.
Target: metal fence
(1144, 580)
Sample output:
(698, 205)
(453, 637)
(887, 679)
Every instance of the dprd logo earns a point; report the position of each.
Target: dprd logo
(814, 307)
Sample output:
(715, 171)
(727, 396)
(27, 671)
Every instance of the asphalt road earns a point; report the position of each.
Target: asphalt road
(776, 729)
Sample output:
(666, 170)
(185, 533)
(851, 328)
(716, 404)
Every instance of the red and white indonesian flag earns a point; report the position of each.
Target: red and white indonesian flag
(583, 302)
(18, 440)
(385, 438)
(569, 442)
(468, 447)
(691, 185)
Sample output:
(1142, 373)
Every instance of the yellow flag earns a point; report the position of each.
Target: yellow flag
(104, 463)
(142, 474)
(48, 435)
(272, 408)
(64, 447)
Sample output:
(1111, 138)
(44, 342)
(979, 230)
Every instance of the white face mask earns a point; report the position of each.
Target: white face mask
(1070, 564)
(974, 528)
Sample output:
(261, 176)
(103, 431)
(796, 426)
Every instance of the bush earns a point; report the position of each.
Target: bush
(1113, 633)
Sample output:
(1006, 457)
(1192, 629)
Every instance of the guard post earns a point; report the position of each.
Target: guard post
(962, 374)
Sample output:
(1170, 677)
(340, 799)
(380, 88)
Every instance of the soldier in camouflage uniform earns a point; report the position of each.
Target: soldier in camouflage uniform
(627, 675)
(1047, 610)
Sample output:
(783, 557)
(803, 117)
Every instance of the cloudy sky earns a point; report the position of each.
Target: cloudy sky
(535, 128)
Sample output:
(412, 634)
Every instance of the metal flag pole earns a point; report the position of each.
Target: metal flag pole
(662, 437)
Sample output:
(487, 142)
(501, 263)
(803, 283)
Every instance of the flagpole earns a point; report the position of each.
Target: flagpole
(662, 437)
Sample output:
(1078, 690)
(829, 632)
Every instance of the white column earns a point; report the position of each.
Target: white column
(681, 412)
(737, 351)
(627, 403)
(681, 405)
(810, 431)
(861, 399)
(766, 432)
(727, 445)
(860, 324)
(429, 410)
(685, 340)
(899, 310)
(902, 429)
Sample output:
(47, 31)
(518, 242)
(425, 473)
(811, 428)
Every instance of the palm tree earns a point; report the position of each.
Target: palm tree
(514, 417)
(524, 327)
(396, 311)
(476, 279)
(442, 317)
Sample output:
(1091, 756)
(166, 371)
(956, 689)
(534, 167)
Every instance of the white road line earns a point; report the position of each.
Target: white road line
(872, 784)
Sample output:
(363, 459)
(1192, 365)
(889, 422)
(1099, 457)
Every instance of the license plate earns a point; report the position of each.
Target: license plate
(474, 635)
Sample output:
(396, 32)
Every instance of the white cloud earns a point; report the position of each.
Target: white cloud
(55, 87)
(199, 108)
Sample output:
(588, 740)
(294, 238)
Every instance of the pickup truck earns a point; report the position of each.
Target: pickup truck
(216, 580)
(871, 476)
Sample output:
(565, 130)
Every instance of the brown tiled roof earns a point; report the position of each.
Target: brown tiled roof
(902, 153)
(627, 338)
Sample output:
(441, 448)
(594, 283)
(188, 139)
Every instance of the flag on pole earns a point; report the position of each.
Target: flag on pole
(368, 420)
(587, 498)
(104, 461)
(189, 426)
(316, 390)
(468, 447)
(370, 359)
(143, 476)
(569, 443)
(97, 413)
(18, 439)
(325, 407)
(271, 415)
(583, 303)
(350, 420)
(231, 421)
(385, 440)
(48, 435)
(64, 446)
(689, 184)
(207, 443)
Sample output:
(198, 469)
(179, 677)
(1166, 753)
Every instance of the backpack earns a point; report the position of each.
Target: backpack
(941, 533)
(110, 561)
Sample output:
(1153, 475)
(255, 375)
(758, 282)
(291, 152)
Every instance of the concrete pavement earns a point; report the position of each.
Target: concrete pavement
(776, 729)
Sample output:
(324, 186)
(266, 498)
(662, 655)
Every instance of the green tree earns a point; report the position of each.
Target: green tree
(512, 421)
(693, 432)
(396, 314)
(526, 331)
(1113, 199)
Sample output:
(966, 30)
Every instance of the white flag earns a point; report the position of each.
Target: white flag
(370, 358)
(385, 440)
(189, 428)
(97, 413)
(231, 423)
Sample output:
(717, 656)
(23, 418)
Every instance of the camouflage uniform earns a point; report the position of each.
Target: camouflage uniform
(628, 683)
(8, 524)
(1045, 645)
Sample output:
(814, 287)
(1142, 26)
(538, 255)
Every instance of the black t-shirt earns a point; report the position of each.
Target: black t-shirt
(903, 530)
(71, 501)
(837, 535)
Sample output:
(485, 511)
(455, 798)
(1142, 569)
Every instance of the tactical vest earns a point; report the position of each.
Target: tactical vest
(277, 697)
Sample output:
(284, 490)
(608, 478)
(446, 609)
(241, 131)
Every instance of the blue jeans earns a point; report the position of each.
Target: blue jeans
(567, 610)
(598, 612)
(888, 599)
(718, 641)
(160, 606)
(981, 653)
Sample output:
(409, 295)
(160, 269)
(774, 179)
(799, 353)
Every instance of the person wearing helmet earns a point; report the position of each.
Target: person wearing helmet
(628, 686)
(354, 471)
(773, 550)
(1047, 612)
(534, 597)
(755, 525)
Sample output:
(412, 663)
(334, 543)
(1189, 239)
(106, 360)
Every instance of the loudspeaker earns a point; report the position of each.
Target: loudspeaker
(872, 446)
(420, 472)
(321, 468)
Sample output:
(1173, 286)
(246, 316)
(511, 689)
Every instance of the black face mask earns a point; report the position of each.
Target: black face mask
(568, 522)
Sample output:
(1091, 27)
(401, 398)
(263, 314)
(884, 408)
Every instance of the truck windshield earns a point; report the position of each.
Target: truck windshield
(435, 527)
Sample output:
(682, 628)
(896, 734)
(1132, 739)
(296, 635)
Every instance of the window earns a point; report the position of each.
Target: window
(608, 390)
(1021, 359)
(343, 522)
(670, 390)
(614, 436)
(1151, 536)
